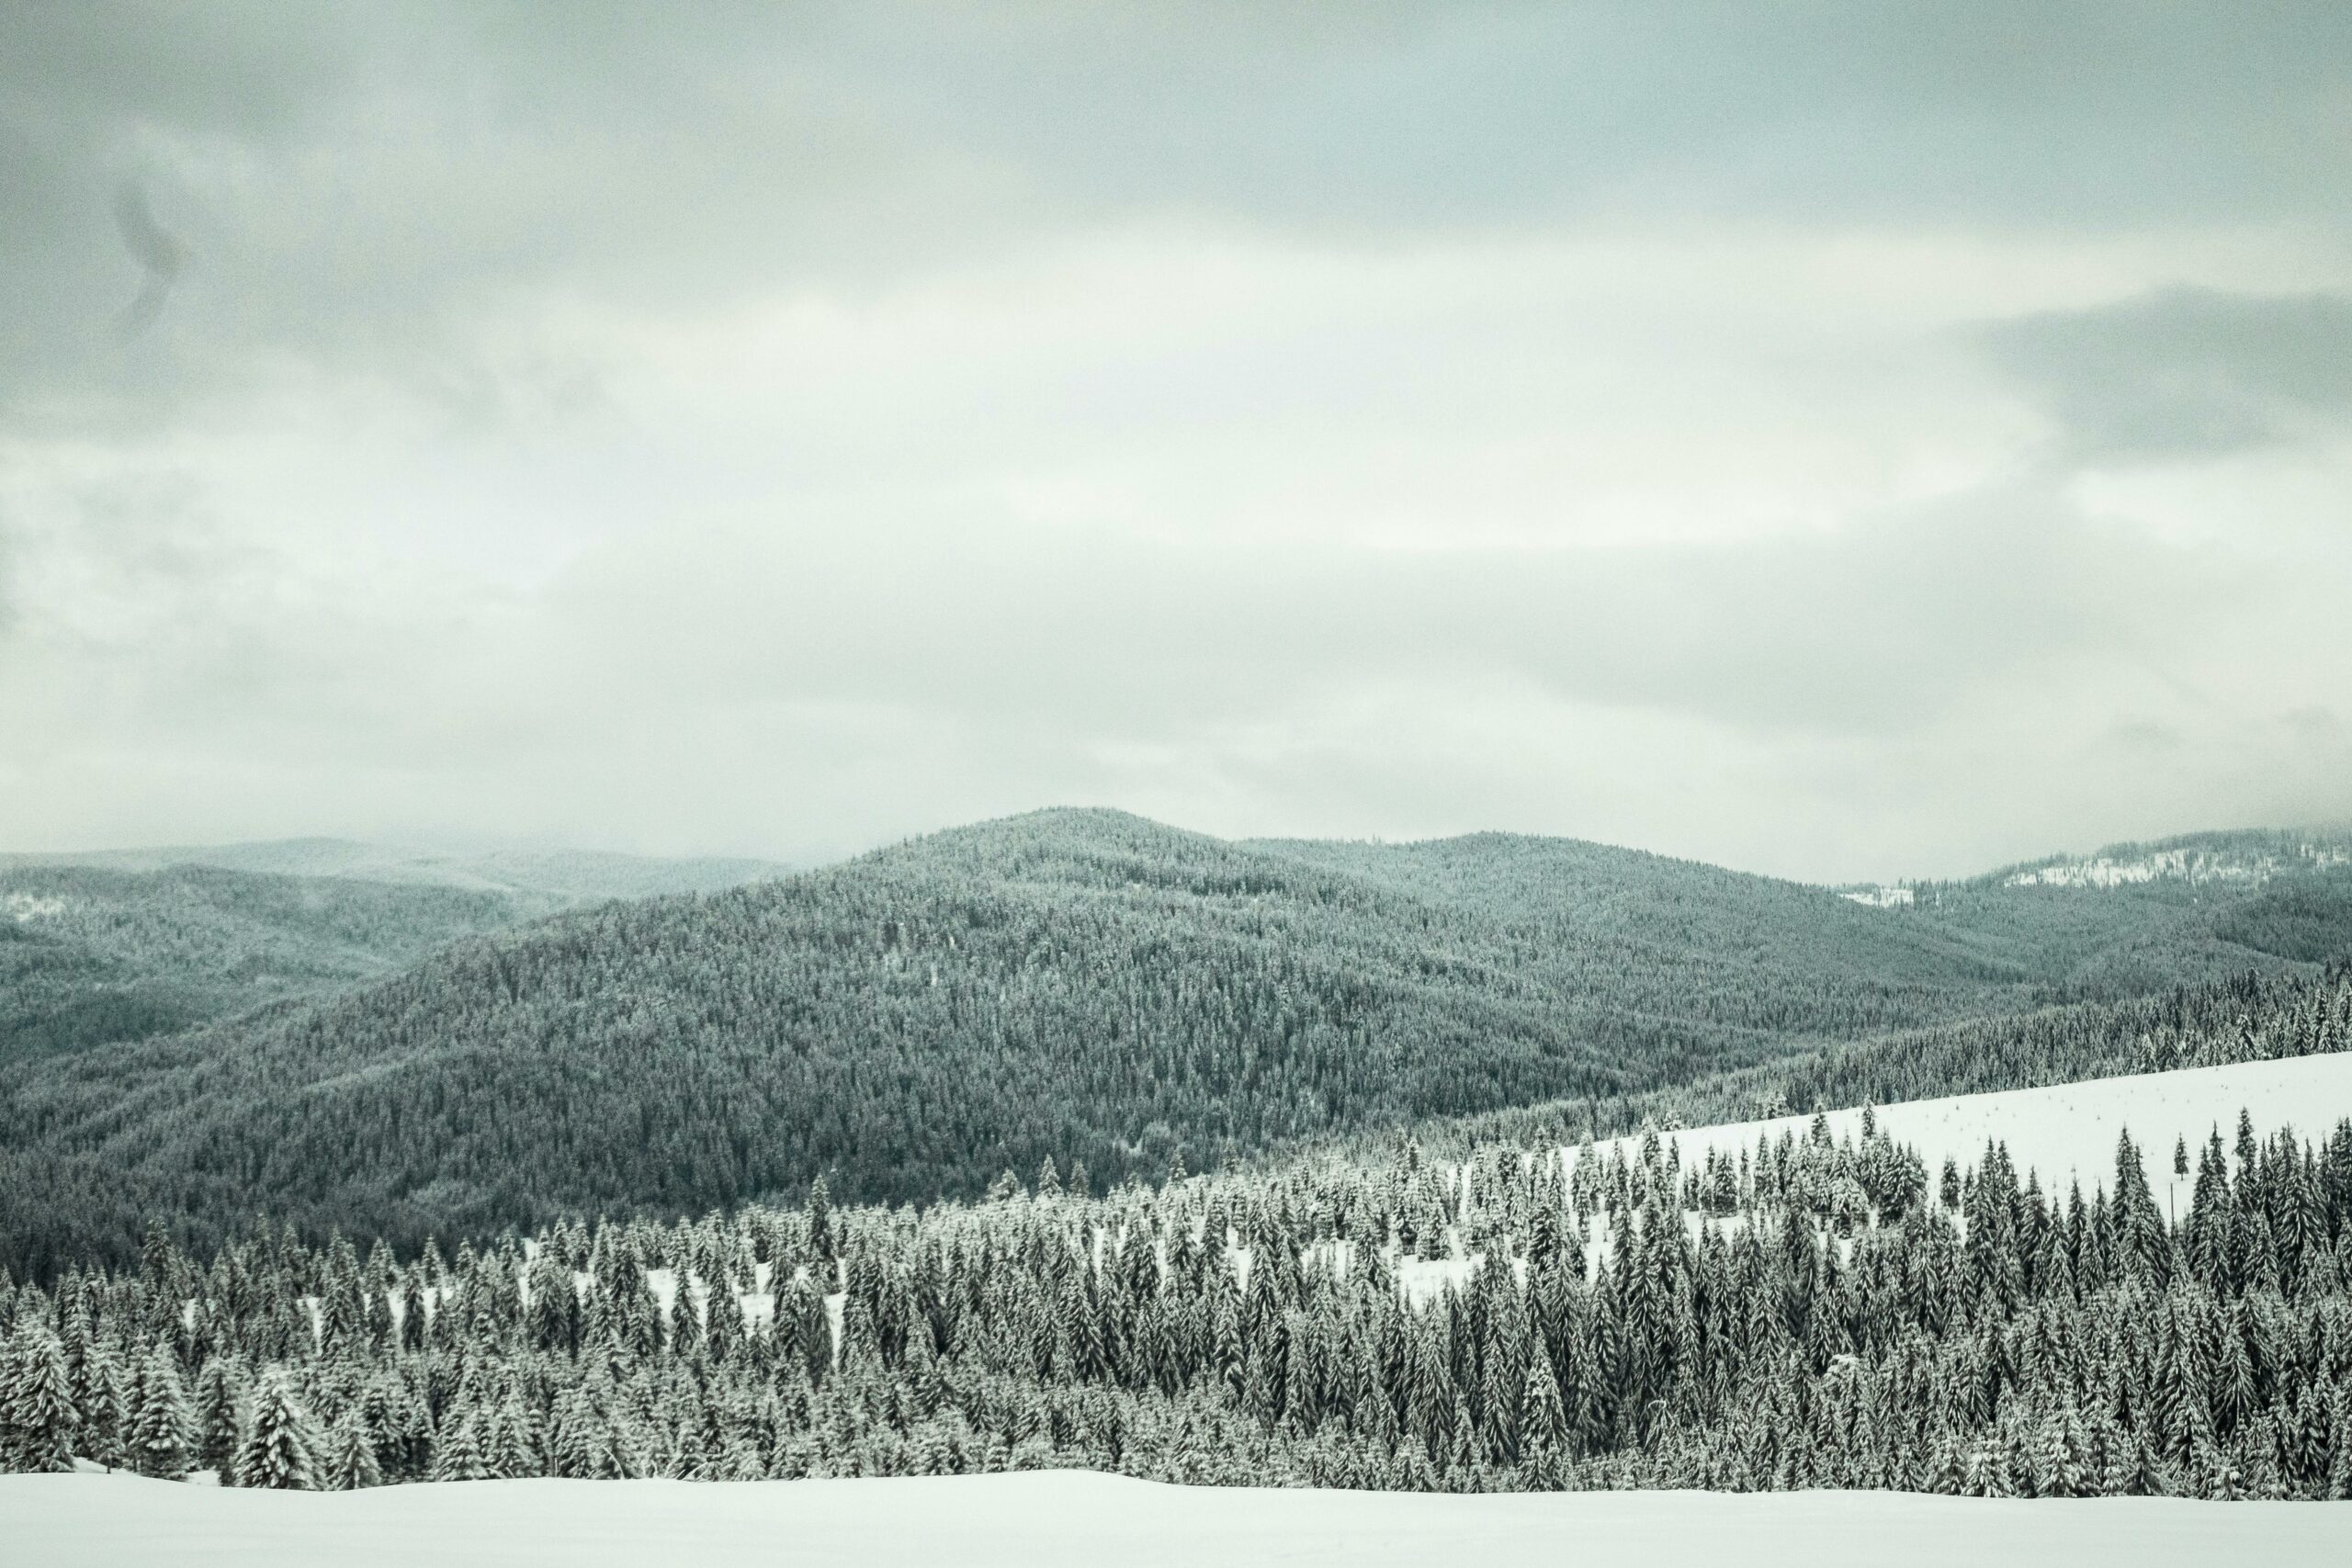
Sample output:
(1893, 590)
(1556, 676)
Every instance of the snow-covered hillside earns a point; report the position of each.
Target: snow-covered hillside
(2127, 865)
(1046, 1518)
(2070, 1131)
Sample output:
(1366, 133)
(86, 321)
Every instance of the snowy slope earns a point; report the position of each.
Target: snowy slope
(2123, 866)
(1046, 1519)
(2069, 1130)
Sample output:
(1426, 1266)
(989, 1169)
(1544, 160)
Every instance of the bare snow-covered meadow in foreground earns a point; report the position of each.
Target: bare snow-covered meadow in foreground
(1043, 1519)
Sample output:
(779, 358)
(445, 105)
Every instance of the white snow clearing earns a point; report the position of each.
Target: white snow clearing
(1042, 1519)
(2195, 865)
(2069, 1130)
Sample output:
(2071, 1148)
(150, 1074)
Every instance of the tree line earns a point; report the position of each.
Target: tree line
(1812, 1312)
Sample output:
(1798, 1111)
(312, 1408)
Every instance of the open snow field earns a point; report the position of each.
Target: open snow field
(1047, 1518)
(2069, 1130)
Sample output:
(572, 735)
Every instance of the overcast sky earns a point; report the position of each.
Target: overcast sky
(1850, 442)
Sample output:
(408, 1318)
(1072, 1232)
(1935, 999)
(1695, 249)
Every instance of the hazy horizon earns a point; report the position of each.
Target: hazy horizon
(818, 857)
(1850, 443)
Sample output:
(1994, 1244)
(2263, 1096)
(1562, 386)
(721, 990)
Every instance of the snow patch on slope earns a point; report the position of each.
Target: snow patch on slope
(2070, 1131)
(2193, 865)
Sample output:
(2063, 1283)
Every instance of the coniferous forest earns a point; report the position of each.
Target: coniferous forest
(1814, 1314)
(439, 1227)
(1091, 985)
(1733, 618)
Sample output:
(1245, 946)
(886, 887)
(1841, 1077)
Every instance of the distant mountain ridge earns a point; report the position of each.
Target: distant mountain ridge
(559, 876)
(1074, 983)
(118, 945)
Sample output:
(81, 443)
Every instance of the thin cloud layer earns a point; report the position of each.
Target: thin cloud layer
(2186, 372)
(1840, 441)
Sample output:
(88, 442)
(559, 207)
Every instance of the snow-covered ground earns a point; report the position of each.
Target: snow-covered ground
(2069, 1130)
(2188, 865)
(26, 907)
(1045, 1520)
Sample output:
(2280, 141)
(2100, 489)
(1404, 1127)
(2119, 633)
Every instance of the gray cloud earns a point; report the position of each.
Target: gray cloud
(378, 182)
(2185, 371)
(158, 255)
(774, 427)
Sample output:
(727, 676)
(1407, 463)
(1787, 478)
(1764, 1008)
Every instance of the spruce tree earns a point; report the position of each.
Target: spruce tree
(104, 1401)
(348, 1461)
(219, 1393)
(1543, 1425)
(512, 1445)
(458, 1451)
(41, 1420)
(162, 1422)
(280, 1445)
(820, 1226)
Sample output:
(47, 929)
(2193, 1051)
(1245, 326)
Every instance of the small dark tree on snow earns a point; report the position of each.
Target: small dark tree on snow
(281, 1447)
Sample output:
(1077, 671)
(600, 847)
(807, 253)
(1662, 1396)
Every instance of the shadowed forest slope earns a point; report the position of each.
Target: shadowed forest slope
(1083, 984)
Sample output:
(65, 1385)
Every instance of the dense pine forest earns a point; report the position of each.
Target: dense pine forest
(1091, 985)
(1812, 1313)
(1401, 1276)
(90, 955)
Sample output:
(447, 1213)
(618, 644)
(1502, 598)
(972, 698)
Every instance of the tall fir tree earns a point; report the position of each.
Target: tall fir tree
(41, 1420)
(162, 1422)
(281, 1447)
(347, 1460)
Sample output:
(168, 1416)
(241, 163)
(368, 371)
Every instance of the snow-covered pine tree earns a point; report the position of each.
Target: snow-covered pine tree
(1543, 1425)
(512, 1446)
(457, 1455)
(220, 1397)
(820, 1228)
(38, 1402)
(280, 1445)
(579, 1447)
(348, 1461)
(163, 1423)
(102, 1397)
(741, 1459)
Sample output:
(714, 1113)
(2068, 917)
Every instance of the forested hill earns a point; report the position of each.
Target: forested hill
(2132, 920)
(1083, 984)
(90, 955)
(112, 946)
